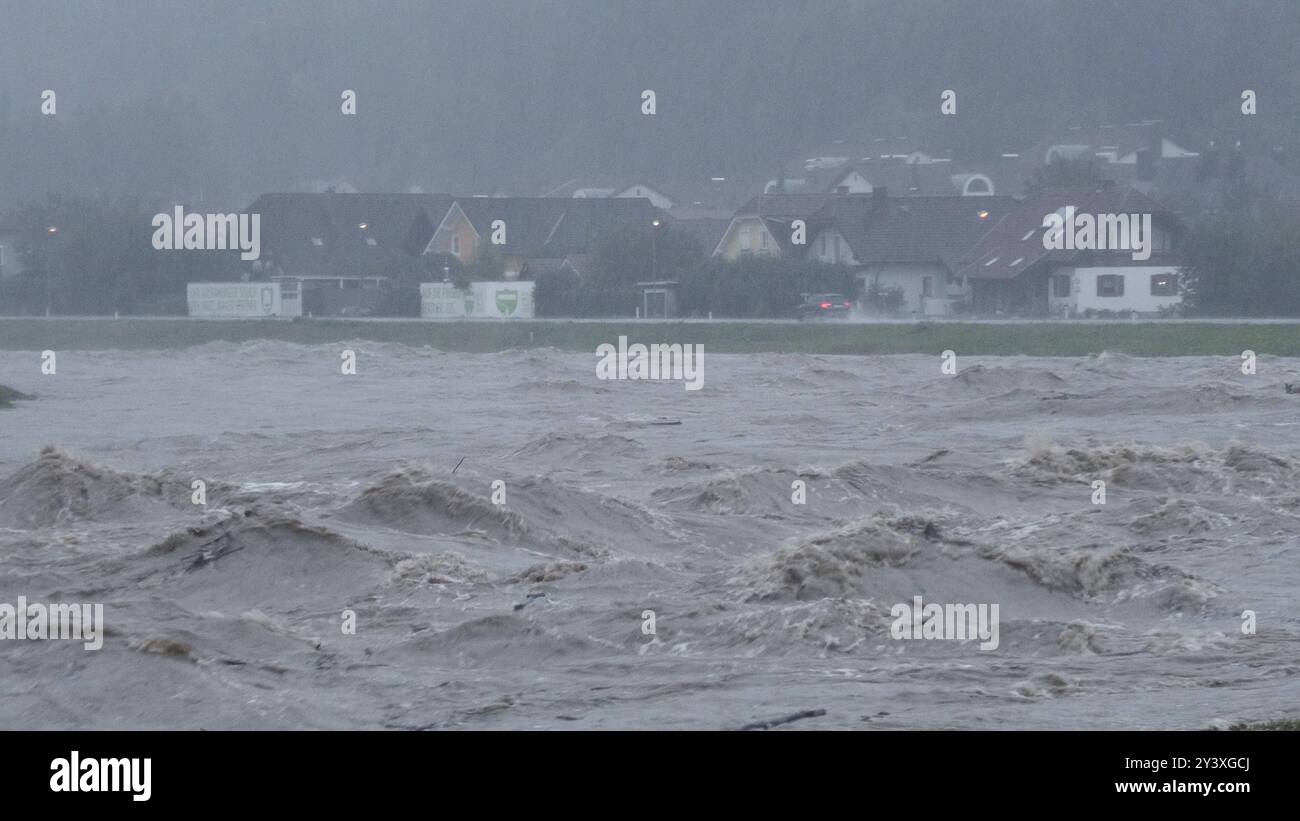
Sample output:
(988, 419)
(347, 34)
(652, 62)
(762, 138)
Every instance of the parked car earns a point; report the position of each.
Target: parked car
(824, 306)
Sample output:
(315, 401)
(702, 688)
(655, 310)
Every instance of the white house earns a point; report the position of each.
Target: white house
(1013, 270)
(910, 246)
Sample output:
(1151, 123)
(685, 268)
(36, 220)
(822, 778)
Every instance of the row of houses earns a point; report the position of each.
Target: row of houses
(952, 254)
(941, 236)
(332, 252)
(950, 234)
(939, 255)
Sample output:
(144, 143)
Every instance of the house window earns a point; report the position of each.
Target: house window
(762, 239)
(1164, 285)
(1110, 285)
(1061, 285)
(744, 239)
(455, 245)
(927, 287)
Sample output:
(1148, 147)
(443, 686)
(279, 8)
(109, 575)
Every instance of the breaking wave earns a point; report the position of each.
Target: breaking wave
(58, 488)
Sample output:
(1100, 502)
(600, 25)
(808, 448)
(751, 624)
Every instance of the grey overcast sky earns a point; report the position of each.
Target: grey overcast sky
(229, 99)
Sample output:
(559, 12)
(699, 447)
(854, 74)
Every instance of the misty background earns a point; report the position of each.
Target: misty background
(219, 102)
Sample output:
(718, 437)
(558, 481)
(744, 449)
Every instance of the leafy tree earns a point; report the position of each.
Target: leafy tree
(622, 258)
(488, 266)
(405, 273)
(86, 256)
(758, 286)
(1243, 265)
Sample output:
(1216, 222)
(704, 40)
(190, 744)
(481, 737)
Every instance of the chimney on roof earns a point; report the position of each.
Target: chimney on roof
(1146, 166)
(879, 199)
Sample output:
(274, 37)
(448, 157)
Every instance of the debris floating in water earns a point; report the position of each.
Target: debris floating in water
(652, 420)
(8, 396)
(531, 597)
(767, 725)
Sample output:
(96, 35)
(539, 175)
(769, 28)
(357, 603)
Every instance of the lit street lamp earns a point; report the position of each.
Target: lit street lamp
(654, 239)
(50, 232)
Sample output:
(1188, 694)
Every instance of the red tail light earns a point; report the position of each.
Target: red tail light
(826, 305)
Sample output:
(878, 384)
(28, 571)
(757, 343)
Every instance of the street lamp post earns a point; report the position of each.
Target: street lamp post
(654, 241)
(49, 266)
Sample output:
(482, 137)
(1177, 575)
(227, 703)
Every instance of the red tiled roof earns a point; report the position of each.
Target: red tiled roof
(1015, 244)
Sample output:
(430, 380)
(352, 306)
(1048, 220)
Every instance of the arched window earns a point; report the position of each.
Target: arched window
(977, 185)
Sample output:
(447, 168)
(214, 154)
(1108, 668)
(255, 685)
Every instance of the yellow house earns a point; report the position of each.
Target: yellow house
(519, 229)
(766, 225)
(455, 236)
(747, 235)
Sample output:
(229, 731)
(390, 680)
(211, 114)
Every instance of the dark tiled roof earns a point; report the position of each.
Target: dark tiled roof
(707, 231)
(555, 226)
(398, 224)
(786, 207)
(1015, 244)
(913, 229)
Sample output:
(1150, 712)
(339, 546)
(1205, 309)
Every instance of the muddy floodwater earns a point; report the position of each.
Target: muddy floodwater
(373, 493)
